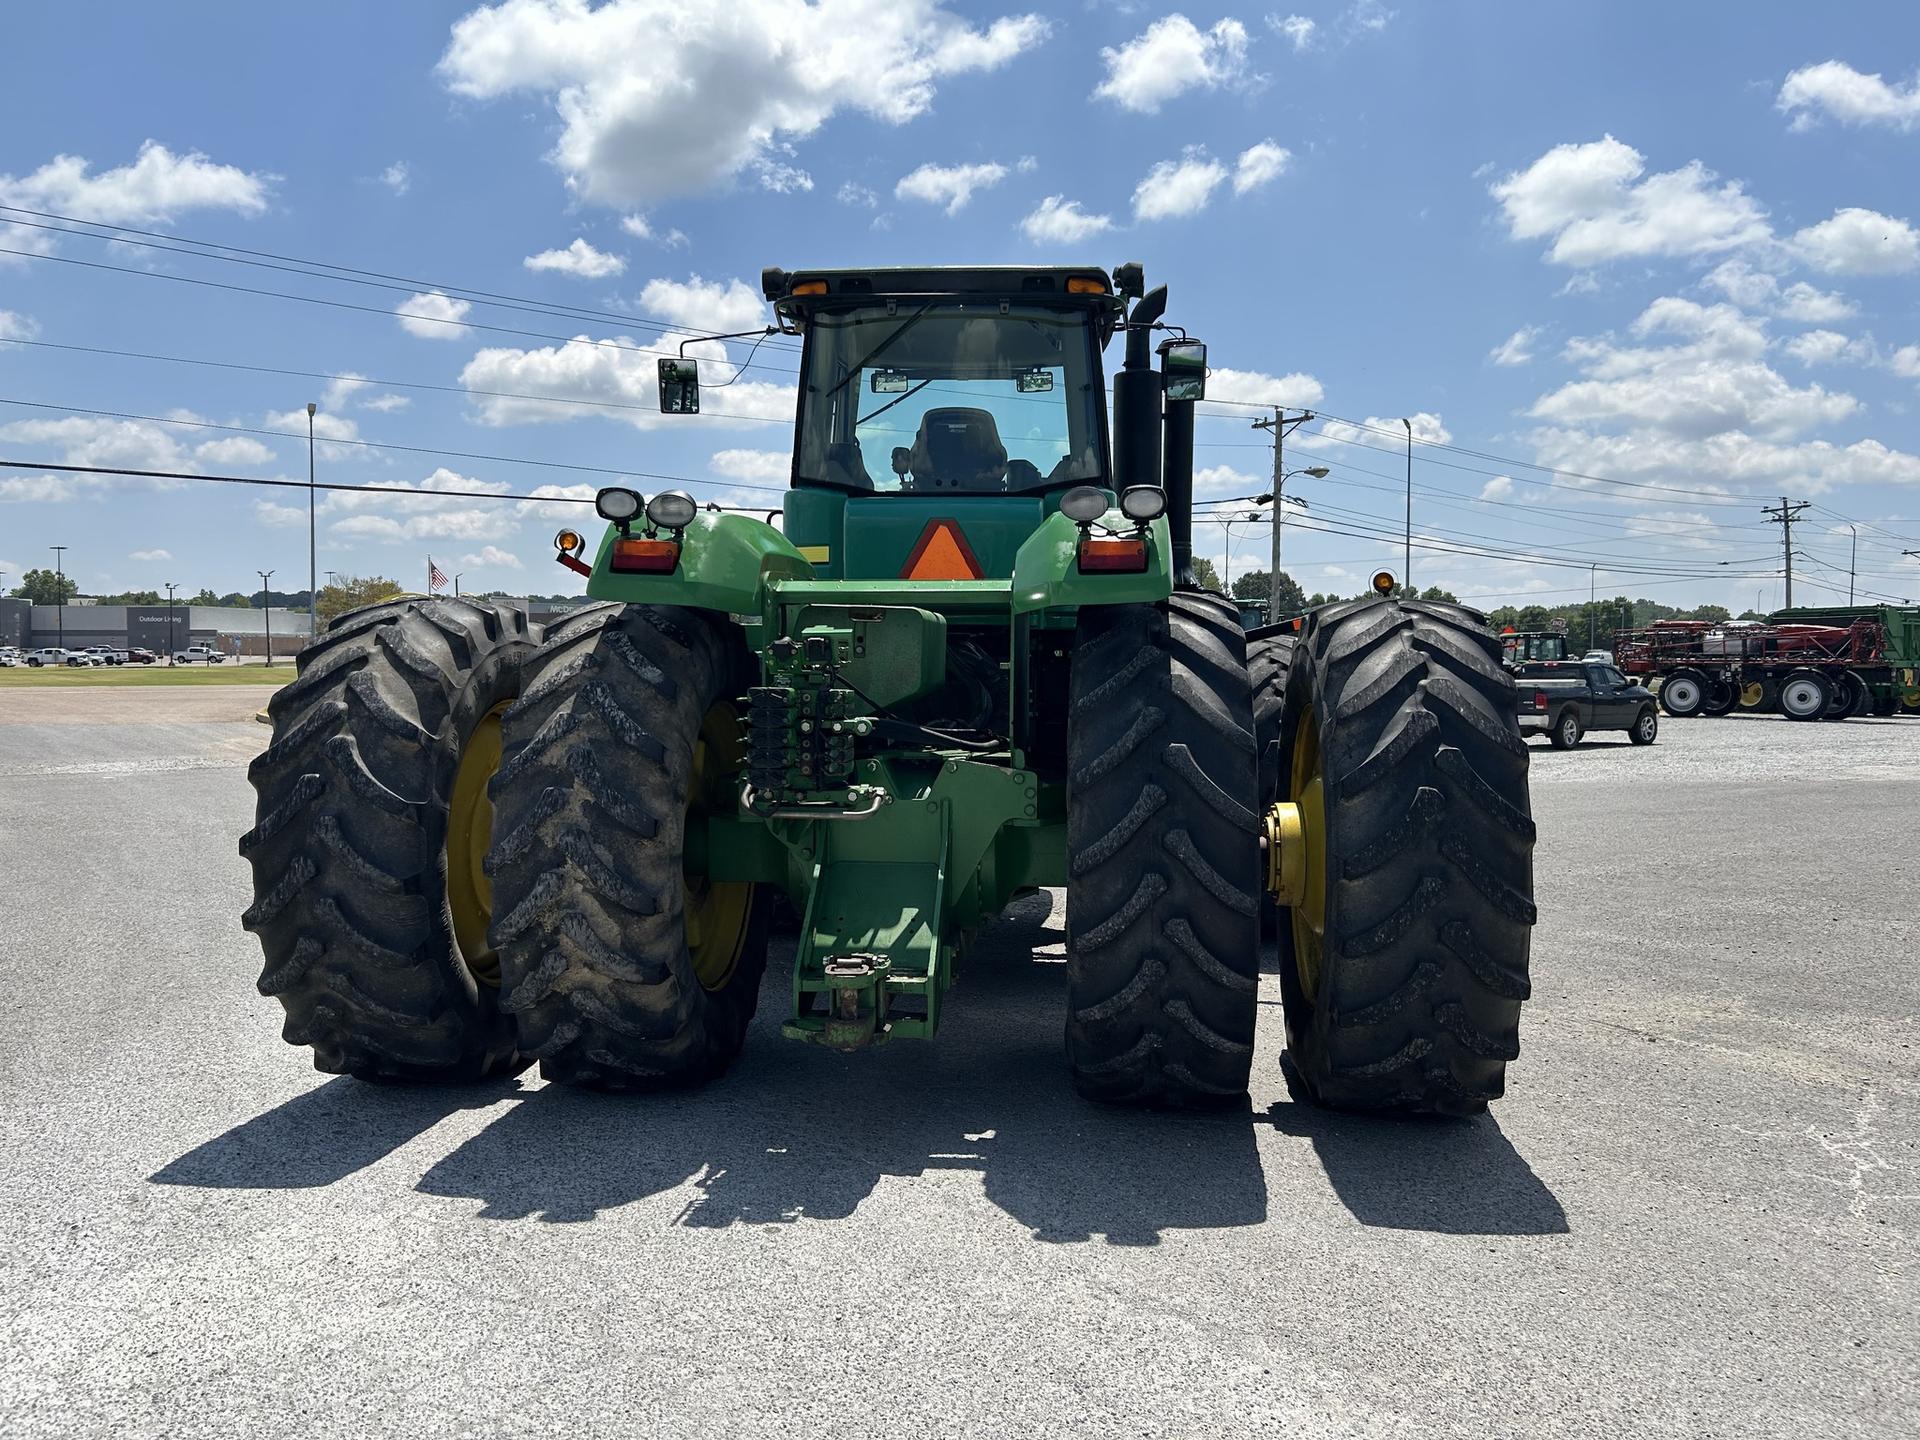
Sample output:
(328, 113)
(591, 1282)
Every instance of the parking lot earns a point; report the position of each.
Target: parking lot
(1695, 1214)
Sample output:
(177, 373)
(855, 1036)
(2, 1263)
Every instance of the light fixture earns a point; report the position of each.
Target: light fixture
(1084, 504)
(672, 510)
(618, 504)
(1143, 502)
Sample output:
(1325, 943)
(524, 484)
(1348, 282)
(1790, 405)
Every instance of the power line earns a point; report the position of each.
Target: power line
(1783, 515)
(389, 445)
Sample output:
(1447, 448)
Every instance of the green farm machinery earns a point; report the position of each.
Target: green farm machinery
(970, 663)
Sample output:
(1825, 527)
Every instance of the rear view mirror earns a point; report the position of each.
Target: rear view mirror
(889, 382)
(679, 387)
(1183, 366)
(1035, 380)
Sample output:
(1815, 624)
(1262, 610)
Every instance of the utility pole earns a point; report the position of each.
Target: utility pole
(1228, 525)
(313, 589)
(1593, 599)
(1853, 565)
(1281, 426)
(60, 592)
(170, 589)
(456, 584)
(1784, 515)
(266, 612)
(1407, 581)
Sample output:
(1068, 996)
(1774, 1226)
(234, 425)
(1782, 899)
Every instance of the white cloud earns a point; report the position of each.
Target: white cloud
(432, 316)
(781, 179)
(555, 506)
(657, 99)
(1500, 487)
(1592, 200)
(1027, 164)
(15, 326)
(403, 511)
(386, 403)
(1837, 90)
(1178, 187)
(156, 188)
(1713, 380)
(1905, 362)
(1251, 387)
(347, 390)
(852, 194)
(1378, 432)
(1826, 347)
(1060, 221)
(579, 259)
(234, 450)
(619, 371)
(1753, 289)
(1517, 348)
(1859, 242)
(1259, 164)
(1170, 57)
(276, 516)
(1297, 28)
(1225, 480)
(397, 177)
(150, 555)
(95, 440)
(949, 185)
(706, 304)
(492, 555)
(775, 465)
(327, 427)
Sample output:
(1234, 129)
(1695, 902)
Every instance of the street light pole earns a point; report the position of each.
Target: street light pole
(456, 586)
(170, 589)
(1593, 596)
(1228, 525)
(313, 575)
(1853, 565)
(1408, 580)
(266, 612)
(60, 592)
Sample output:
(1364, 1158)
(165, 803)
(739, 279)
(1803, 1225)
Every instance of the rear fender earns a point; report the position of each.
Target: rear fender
(726, 564)
(1046, 571)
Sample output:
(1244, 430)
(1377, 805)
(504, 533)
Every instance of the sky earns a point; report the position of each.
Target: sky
(1629, 271)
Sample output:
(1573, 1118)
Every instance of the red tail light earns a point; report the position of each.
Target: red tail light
(1539, 699)
(1126, 555)
(644, 557)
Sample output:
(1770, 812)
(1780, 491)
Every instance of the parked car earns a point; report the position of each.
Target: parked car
(195, 653)
(1598, 657)
(1567, 699)
(138, 656)
(54, 655)
(106, 655)
(9, 658)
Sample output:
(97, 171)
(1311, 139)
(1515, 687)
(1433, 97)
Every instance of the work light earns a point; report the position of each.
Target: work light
(617, 504)
(1083, 504)
(672, 510)
(1143, 502)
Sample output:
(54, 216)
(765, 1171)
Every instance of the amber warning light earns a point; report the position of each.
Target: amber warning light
(568, 544)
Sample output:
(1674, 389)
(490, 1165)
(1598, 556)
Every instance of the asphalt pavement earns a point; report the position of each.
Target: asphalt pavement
(1696, 1213)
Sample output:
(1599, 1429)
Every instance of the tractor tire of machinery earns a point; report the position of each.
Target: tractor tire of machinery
(1804, 695)
(353, 846)
(1843, 697)
(1268, 659)
(1862, 695)
(604, 758)
(1163, 855)
(1404, 971)
(1683, 694)
(1722, 697)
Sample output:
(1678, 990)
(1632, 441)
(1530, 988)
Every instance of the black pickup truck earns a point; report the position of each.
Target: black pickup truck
(1565, 699)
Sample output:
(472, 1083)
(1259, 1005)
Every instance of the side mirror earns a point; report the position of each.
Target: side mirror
(1183, 366)
(902, 460)
(679, 387)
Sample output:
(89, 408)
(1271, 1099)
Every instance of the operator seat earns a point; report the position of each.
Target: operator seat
(958, 449)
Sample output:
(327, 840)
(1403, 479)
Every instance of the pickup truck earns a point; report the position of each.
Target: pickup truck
(54, 655)
(196, 654)
(1565, 699)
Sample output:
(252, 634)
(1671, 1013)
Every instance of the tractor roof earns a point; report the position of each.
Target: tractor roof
(796, 293)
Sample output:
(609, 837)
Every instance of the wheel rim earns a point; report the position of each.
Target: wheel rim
(1683, 694)
(1569, 731)
(717, 911)
(469, 833)
(1752, 693)
(1647, 723)
(1306, 789)
(1800, 697)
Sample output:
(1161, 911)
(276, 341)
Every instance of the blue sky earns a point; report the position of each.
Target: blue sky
(1666, 252)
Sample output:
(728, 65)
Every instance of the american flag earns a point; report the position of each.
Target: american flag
(434, 578)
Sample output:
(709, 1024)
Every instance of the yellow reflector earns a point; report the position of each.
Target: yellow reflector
(809, 287)
(941, 553)
(569, 542)
(1383, 581)
(1085, 285)
(817, 554)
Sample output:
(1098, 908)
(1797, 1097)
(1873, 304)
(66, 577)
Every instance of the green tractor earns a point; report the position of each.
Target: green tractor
(971, 663)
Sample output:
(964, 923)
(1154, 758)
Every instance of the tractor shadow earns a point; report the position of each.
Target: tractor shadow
(324, 1135)
(795, 1133)
(1444, 1176)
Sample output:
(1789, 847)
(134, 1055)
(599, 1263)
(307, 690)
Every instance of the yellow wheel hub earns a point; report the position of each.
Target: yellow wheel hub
(1296, 839)
(1751, 694)
(469, 833)
(717, 911)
